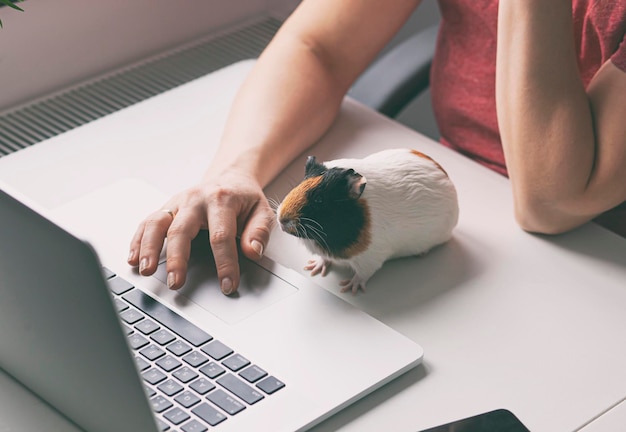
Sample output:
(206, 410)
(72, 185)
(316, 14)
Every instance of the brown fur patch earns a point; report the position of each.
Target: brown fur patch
(422, 155)
(365, 238)
(296, 198)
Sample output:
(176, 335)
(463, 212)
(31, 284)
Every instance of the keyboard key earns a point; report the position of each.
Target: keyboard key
(194, 426)
(149, 390)
(240, 389)
(119, 286)
(225, 402)
(168, 363)
(142, 365)
(176, 415)
(131, 316)
(217, 350)
(153, 376)
(162, 425)
(209, 414)
(202, 386)
(162, 337)
(108, 273)
(120, 305)
(185, 374)
(152, 352)
(170, 387)
(137, 341)
(187, 399)
(147, 326)
(160, 404)
(196, 359)
(236, 362)
(191, 333)
(270, 385)
(212, 370)
(179, 348)
(127, 330)
(253, 373)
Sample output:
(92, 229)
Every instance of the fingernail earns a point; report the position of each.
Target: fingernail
(131, 255)
(226, 285)
(257, 246)
(171, 279)
(143, 264)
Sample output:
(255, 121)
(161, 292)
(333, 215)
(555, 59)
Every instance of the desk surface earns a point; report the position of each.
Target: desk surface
(510, 320)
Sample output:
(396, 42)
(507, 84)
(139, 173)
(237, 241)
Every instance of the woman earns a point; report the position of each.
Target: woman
(533, 89)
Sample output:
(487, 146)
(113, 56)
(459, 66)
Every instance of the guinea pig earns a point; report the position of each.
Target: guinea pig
(363, 212)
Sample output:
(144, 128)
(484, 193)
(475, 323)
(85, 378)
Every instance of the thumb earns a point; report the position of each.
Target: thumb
(256, 233)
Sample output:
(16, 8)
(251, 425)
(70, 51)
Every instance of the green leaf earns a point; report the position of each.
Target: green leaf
(10, 4)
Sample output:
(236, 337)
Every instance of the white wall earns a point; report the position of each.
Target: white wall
(56, 43)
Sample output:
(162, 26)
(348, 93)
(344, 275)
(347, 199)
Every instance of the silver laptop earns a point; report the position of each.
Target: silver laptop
(112, 350)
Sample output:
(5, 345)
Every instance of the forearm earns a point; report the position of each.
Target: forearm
(296, 87)
(287, 102)
(544, 114)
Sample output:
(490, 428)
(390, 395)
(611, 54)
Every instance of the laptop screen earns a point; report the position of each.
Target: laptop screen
(61, 336)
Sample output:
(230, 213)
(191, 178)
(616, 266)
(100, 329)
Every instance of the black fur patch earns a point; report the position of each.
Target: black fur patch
(331, 216)
(313, 168)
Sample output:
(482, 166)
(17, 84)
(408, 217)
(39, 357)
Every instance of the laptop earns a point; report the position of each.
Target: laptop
(112, 350)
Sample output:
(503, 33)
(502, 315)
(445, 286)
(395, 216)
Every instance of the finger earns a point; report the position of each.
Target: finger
(222, 236)
(152, 240)
(135, 245)
(256, 233)
(182, 231)
(324, 270)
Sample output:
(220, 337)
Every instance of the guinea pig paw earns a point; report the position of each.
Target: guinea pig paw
(352, 285)
(318, 265)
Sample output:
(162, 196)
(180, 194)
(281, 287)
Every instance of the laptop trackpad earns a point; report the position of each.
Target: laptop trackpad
(258, 287)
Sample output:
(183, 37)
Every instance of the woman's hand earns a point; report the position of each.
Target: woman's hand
(227, 206)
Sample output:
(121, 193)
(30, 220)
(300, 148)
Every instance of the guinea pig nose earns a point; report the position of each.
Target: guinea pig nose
(287, 224)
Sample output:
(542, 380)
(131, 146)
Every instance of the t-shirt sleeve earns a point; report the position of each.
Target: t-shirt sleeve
(619, 57)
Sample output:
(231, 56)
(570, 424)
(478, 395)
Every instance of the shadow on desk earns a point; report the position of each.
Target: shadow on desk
(592, 241)
(405, 285)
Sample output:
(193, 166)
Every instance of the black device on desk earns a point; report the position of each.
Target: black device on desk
(500, 420)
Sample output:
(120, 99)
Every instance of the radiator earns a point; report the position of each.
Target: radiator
(52, 115)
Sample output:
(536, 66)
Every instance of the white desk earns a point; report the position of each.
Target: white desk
(510, 320)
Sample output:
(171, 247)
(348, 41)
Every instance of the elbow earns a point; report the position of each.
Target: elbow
(532, 223)
(540, 217)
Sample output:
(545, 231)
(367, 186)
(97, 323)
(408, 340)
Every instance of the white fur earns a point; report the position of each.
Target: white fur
(413, 207)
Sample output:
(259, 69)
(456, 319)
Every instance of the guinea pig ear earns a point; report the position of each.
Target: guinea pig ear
(313, 168)
(356, 184)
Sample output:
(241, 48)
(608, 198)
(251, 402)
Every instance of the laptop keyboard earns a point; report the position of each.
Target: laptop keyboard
(193, 380)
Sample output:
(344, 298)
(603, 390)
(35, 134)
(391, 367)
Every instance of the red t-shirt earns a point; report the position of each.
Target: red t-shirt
(464, 69)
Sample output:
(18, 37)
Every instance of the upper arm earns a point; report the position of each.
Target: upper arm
(607, 184)
(346, 35)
